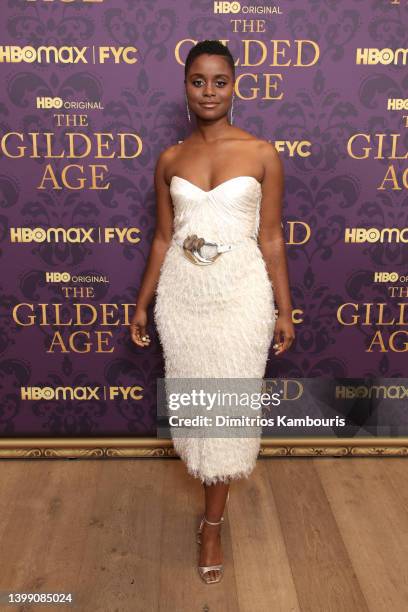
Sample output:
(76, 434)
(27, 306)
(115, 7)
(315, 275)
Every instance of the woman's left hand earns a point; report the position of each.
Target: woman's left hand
(284, 334)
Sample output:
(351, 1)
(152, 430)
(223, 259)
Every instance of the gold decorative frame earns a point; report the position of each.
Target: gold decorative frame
(127, 447)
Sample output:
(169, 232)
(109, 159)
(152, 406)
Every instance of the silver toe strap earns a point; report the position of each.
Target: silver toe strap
(208, 568)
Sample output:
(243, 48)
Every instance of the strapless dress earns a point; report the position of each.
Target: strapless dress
(216, 321)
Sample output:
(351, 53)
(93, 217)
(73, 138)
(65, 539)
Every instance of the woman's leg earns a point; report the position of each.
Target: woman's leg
(215, 499)
(210, 549)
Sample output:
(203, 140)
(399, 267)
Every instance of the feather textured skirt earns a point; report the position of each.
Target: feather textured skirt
(215, 323)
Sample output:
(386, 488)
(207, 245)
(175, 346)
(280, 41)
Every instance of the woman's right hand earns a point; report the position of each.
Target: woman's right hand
(138, 326)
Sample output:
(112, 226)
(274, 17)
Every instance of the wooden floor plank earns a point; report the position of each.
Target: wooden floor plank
(324, 578)
(123, 548)
(372, 519)
(42, 531)
(264, 580)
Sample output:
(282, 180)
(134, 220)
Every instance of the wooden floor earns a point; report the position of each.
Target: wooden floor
(301, 534)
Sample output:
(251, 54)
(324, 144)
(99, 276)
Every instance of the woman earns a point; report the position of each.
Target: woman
(216, 264)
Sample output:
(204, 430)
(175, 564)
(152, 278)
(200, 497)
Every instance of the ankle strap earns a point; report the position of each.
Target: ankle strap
(217, 523)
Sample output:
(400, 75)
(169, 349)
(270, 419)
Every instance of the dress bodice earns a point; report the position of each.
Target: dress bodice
(228, 212)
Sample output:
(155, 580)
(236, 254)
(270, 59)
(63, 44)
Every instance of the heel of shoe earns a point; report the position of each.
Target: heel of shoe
(199, 531)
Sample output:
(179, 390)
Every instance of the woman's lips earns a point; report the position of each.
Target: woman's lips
(209, 104)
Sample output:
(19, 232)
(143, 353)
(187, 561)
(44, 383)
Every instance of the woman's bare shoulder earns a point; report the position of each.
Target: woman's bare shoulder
(166, 158)
(260, 146)
(266, 150)
(168, 154)
(270, 159)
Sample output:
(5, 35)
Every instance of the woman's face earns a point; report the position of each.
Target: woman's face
(209, 86)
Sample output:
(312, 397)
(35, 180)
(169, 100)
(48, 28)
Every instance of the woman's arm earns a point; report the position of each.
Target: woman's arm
(160, 244)
(272, 243)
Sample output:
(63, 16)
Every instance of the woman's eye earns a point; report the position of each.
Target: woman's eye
(199, 82)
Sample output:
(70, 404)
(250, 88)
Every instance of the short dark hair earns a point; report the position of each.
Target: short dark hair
(212, 47)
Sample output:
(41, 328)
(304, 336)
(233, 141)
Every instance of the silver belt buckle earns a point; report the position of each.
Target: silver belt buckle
(196, 257)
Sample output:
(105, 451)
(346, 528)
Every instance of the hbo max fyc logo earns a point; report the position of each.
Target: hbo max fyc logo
(227, 7)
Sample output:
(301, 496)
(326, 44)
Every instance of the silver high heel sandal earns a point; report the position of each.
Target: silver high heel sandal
(203, 570)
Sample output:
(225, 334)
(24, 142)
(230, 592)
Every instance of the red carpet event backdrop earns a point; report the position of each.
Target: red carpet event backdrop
(92, 92)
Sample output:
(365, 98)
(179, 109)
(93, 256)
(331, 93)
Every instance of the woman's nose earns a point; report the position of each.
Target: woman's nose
(209, 90)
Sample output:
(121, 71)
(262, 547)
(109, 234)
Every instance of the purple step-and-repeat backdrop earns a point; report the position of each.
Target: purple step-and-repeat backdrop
(92, 92)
